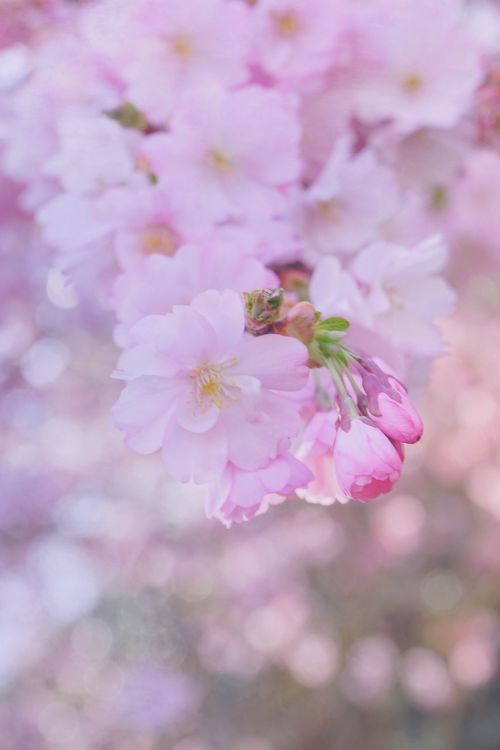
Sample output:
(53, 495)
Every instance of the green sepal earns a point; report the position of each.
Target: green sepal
(333, 324)
(129, 117)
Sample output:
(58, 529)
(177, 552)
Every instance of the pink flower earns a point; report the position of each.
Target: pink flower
(335, 291)
(293, 39)
(94, 153)
(348, 203)
(384, 401)
(205, 392)
(326, 118)
(238, 495)
(315, 451)
(398, 419)
(366, 462)
(270, 240)
(146, 224)
(475, 201)
(81, 233)
(181, 46)
(228, 155)
(425, 67)
(71, 222)
(404, 293)
(66, 74)
(162, 281)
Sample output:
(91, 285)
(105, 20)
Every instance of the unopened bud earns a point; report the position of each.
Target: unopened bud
(300, 322)
(262, 309)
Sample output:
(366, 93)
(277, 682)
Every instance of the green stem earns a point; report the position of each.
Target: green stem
(322, 395)
(337, 379)
(353, 383)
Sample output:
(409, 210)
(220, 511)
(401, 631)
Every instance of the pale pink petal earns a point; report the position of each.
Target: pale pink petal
(277, 361)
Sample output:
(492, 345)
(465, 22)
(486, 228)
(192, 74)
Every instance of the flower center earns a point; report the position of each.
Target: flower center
(331, 210)
(439, 198)
(412, 83)
(181, 46)
(287, 24)
(158, 239)
(219, 161)
(211, 387)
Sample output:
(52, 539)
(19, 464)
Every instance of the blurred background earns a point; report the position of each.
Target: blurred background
(130, 622)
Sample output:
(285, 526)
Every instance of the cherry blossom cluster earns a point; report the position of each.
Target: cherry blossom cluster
(257, 192)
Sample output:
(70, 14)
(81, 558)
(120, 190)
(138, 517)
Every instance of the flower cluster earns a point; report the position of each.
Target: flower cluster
(256, 191)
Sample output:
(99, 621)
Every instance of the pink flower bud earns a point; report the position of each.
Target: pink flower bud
(387, 403)
(398, 419)
(300, 322)
(366, 462)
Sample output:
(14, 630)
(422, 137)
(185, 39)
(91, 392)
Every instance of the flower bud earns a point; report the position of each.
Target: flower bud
(262, 309)
(300, 322)
(367, 464)
(387, 404)
(398, 419)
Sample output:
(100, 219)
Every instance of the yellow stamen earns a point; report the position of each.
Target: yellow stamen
(182, 46)
(331, 210)
(412, 83)
(220, 161)
(287, 24)
(158, 239)
(211, 387)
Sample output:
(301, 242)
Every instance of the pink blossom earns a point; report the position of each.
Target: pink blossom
(177, 154)
(366, 461)
(94, 153)
(271, 240)
(425, 66)
(335, 291)
(67, 75)
(162, 281)
(316, 452)
(228, 155)
(425, 159)
(326, 119)
(81, 234)
(145, 224)
(398, 419)
(70, 222)
(238, 495)
(405, 293)
(348, 203)
(207, 394)
(474, 208)
(22, 19)
(295, 40)
(184, 45)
